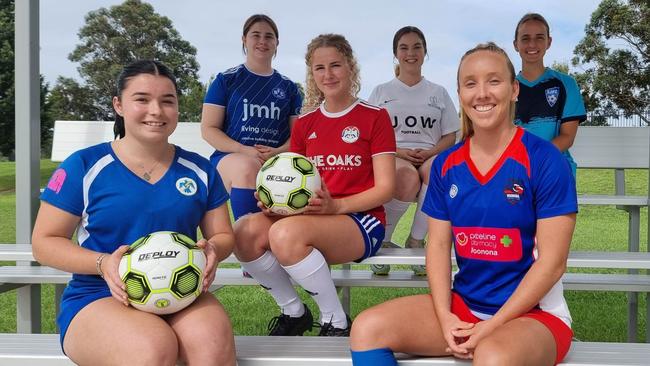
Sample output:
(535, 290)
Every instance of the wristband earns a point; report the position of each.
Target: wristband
(98, 265)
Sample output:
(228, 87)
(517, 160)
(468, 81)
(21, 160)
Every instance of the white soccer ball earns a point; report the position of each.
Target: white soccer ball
(286, 182)
(163, 272)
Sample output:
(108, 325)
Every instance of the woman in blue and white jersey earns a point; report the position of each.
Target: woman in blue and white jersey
(110, 195)
(248, 113)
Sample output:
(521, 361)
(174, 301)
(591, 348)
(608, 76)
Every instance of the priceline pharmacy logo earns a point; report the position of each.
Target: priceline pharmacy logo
(490, 244)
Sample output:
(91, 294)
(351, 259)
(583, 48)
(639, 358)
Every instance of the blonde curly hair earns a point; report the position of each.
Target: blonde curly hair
(313, 96)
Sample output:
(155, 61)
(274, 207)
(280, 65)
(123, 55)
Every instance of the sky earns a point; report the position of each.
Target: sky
(215, 28)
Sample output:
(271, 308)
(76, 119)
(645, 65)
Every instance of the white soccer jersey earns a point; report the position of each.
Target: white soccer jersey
(420, 114)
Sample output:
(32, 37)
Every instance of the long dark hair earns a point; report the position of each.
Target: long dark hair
(132, 70)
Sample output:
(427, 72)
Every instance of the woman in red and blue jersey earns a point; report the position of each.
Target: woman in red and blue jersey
(506, 200)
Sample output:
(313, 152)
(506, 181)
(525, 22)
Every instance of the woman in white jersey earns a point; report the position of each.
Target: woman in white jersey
(425, 122)
(353, 147)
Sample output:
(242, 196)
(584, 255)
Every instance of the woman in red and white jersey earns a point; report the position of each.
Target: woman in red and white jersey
(353, 145)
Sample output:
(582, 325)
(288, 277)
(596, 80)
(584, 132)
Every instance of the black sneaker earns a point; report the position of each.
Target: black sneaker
(284, 325)
(328, 330)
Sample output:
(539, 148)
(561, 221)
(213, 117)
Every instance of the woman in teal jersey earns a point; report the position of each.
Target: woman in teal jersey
(550, 104)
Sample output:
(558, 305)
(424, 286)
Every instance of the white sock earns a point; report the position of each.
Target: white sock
(394, 211)
(313, 274)
(269, 273)
(420, 220)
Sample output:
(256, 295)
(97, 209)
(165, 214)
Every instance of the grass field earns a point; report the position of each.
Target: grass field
(598, 316)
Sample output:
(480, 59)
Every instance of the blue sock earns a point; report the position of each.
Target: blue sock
(374, 357)
(242, 201)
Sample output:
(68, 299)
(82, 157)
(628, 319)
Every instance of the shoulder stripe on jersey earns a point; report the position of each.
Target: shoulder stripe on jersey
(89, 178)
(371, 106)
(199, 172)
(455, 158)
(233, 70)
(308, 113)
(216, 105)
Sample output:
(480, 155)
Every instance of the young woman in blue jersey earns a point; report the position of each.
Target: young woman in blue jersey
(110, 195)
(353, 146)
(248, 112)
(425, 123)
(507, 202)
(550, 104)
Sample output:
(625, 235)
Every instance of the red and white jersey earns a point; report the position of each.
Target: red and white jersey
(342, 145)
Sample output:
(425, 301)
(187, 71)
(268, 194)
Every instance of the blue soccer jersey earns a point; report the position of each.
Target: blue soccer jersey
(494, 217)
(257, 107)
(544, 104)
(117, 207)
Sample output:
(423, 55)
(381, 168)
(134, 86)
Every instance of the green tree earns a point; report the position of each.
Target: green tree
(615, 54)
(113, 37)
(70, 101)
(7, 131)
(7, 91)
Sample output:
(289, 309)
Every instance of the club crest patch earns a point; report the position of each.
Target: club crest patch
(186, 186)
(278, 93)
(350, 134)
(513, 192)
(552, 95)
(453, 191)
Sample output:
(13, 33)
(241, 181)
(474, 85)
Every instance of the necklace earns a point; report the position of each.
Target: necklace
(147, 173)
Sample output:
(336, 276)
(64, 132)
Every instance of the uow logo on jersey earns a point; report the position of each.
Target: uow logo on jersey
(412, 121)
(552, 95)
(260, 111)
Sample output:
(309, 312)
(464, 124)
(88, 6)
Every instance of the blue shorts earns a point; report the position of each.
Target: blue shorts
(373, 232)
(79, 293)
(216, 157)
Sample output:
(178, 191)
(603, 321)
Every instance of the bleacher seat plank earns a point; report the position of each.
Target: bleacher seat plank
(408, 256)
(44, 350)
(12, 275)
(599, 199)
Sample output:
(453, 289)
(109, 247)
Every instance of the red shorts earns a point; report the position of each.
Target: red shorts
(561, 332)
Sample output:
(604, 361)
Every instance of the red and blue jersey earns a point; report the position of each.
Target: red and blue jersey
(494, 216)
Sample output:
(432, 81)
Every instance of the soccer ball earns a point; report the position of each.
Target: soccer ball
(163, 272)
(286, 182)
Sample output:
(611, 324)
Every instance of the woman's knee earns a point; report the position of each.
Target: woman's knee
(368, 330)
(286, 242)
(408, 183)
(250, 238)
(242, 172)
(491, 352)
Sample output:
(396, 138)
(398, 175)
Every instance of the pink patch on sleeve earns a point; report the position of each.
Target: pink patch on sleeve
(56, 182)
